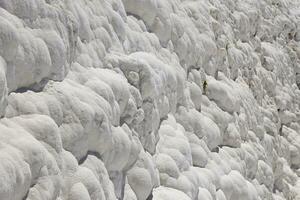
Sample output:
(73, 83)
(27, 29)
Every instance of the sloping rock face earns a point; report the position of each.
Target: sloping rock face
(149, 99)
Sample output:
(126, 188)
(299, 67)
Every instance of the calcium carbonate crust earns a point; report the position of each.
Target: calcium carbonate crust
(149, 99)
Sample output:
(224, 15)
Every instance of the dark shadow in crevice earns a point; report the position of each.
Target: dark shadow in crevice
(89, 153)
(150, 197)
(294, 167)
(37, 87)
(139, 18)
(221, 146)
(26, 195)
(216, 149)
(22, 90)
(134, 15)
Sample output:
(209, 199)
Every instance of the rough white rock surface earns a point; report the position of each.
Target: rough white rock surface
(149, 99)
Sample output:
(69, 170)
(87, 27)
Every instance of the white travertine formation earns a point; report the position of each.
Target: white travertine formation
(149, 99)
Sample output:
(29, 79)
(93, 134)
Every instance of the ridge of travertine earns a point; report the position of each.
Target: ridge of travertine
(150, 99)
